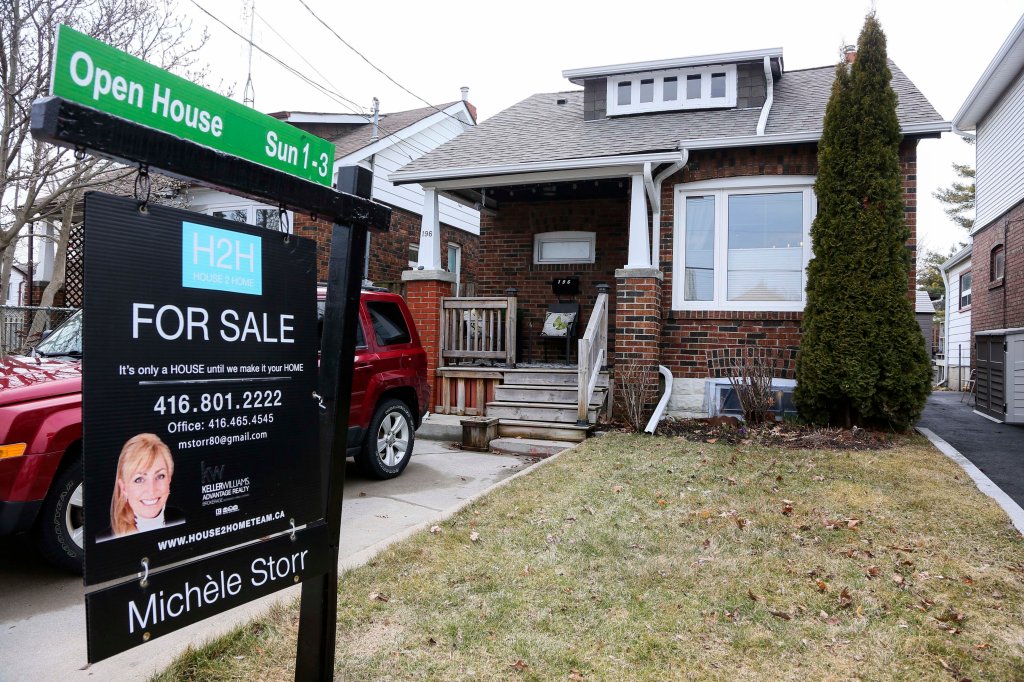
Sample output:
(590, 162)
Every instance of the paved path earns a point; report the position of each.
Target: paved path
(42, 611)
(996, 449)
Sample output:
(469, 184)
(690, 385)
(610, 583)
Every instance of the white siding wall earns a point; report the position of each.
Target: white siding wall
(1000, 156)
(410, 197)
(958, 322)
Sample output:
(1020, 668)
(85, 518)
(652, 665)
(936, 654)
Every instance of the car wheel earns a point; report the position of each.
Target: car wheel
(389, 441)
(59, 530)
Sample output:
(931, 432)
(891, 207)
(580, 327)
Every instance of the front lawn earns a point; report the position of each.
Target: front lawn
(655, 558)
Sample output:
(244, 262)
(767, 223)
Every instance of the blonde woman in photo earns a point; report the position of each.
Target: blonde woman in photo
(141, 489)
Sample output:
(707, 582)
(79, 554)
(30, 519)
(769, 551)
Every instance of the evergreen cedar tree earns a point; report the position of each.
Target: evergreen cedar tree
(862, 358)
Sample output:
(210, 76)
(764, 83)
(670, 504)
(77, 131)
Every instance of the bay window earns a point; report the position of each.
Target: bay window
(742, 243)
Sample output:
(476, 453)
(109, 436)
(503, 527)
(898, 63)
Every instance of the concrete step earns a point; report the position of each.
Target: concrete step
(545, 394)
(536, 447)
(525, 428)
(563, 413)
(548, 377)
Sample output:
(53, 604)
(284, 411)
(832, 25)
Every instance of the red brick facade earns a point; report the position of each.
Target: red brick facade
(506, 259)
(424, 300)
(389, 252)
(998, 303)
(684, 337)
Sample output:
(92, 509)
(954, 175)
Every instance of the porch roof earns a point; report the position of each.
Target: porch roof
(549, 127)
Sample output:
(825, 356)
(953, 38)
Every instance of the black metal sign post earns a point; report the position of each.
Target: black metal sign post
(318, 611)
(176, 587)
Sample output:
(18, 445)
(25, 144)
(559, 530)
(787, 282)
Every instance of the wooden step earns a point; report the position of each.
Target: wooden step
(563, 413)
(548, 377)
(525, 428)
(545, 394)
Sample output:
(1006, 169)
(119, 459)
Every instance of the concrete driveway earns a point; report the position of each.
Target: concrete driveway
(996, 449)
(42, 611)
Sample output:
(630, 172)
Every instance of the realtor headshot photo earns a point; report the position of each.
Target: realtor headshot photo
(141, 489)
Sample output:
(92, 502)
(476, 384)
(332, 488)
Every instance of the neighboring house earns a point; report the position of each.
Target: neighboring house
(396, 139)
(685, 184)
(956, 277)
(924, 312)
(994, 110)
(17, 293)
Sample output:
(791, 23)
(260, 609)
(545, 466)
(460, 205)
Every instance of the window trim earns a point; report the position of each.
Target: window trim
(722, 188)
(250, 209)
(541, 238)
(998, 249)
(457, 271)
(705, 101)
(960, 290)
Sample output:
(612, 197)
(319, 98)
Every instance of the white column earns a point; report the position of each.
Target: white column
(430, 233)
(639, 227)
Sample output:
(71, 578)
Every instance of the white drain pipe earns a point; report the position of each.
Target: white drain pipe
(663, 403)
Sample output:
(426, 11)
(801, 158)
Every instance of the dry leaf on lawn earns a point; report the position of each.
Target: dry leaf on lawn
(378, 596)
(781, 614)
(845, 600)
(474, 536)
(519, 666)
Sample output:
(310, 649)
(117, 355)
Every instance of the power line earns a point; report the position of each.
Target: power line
(408, 143)
(375, 67)
(352, 106)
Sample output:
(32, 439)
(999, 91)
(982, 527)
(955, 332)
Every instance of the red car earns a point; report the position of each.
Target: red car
(41, 420)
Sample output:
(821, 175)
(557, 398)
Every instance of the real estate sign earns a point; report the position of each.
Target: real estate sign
(97, 75)
(200, 417)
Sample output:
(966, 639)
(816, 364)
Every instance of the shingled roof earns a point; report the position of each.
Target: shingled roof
(361, 136)
(550, 126)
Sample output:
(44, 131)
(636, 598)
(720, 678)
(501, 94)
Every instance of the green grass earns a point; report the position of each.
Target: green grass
(656, 558)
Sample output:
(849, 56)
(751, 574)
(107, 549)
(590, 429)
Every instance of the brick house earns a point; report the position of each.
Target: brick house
(994, 110)
(382, 147)
(683, 184)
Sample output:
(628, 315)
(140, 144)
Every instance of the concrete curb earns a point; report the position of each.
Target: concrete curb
(984, 483)
(365, 555)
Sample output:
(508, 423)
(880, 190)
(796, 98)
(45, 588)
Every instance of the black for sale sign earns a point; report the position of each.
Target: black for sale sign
(199, 409)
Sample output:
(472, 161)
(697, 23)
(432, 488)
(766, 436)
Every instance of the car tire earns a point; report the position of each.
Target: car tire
(59, 532)
(389, 441)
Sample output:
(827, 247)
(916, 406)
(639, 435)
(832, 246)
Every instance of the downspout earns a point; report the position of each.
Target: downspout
(654, 194)
(963, 133)
(769, 85)
(663, 403)
(945, 310)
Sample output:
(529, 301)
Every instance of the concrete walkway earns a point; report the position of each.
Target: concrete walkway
(996, 449)
(42, 611)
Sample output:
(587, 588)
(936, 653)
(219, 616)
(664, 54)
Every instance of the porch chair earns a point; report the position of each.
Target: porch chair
(560, 322)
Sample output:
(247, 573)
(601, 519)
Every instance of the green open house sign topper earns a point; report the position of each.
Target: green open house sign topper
(96, 75)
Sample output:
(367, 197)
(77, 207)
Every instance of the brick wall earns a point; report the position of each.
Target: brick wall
(389, 251)
(507, 259)
(424, 300)
(998, 304)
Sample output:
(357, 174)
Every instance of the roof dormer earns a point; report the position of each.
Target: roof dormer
(720, 81)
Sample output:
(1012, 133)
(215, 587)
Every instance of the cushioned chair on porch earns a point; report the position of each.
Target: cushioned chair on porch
(560, 322)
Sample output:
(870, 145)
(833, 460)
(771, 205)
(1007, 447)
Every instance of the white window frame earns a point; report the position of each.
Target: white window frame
(542, 238)
(965, 293)
(250, 212)
(721, 189)
(414, 255)
(457, 270)
(706, 101)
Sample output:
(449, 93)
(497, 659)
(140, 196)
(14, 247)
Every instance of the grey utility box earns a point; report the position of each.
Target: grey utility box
(999, 378)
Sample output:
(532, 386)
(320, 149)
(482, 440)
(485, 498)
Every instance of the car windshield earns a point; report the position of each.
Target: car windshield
(64, 340)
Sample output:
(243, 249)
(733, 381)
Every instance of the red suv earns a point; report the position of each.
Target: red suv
(41, 420)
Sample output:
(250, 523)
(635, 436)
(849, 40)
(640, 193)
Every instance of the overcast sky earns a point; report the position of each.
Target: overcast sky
(505, 52)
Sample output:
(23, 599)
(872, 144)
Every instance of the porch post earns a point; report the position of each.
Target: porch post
(430, 233)
(638, 321)
(639, 227)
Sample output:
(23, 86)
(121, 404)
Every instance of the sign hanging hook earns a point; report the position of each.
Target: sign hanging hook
(145, 572)
(143, 187)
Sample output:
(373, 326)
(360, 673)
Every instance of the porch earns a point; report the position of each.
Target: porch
(481, 371)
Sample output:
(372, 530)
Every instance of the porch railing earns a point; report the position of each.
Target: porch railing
(478, 329)
(593, 355)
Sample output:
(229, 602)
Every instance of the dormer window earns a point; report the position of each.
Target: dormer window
(707, 87)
